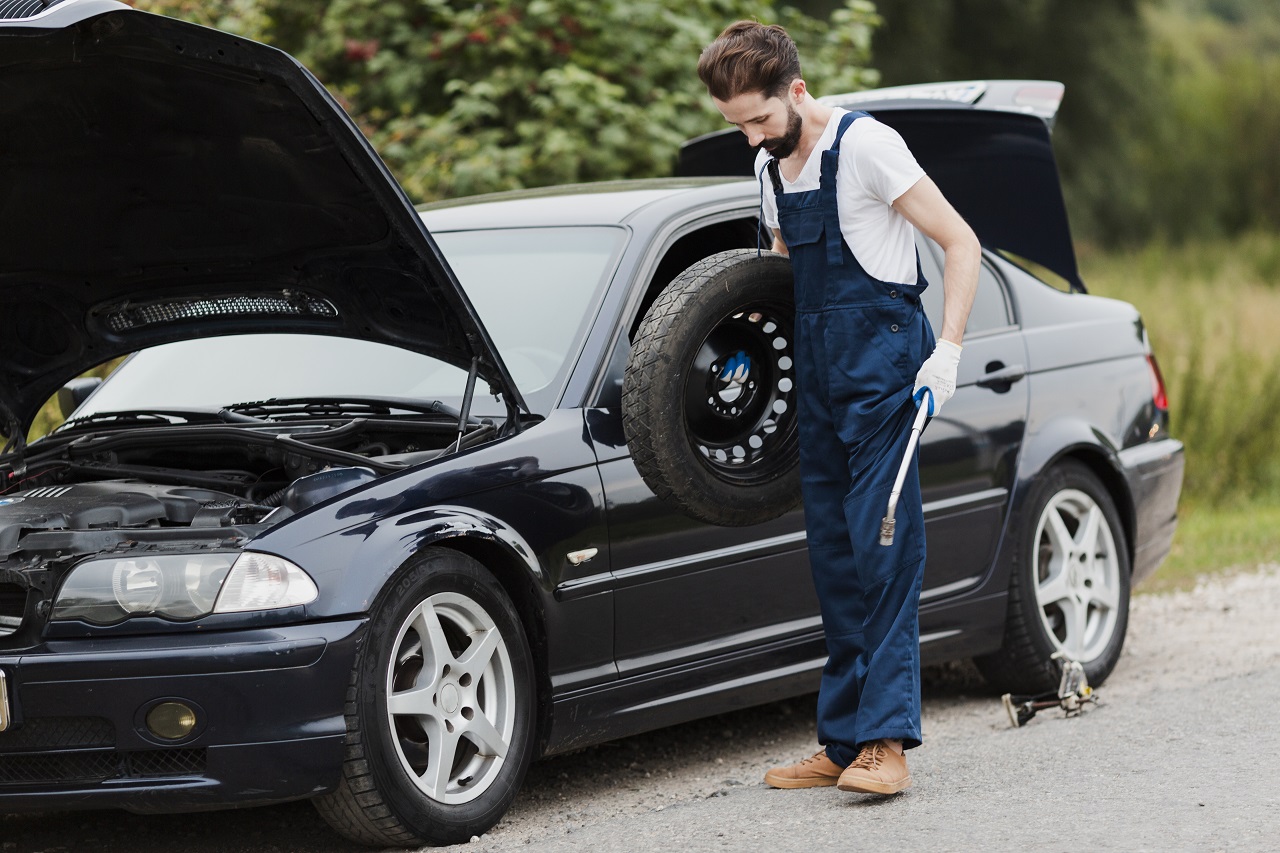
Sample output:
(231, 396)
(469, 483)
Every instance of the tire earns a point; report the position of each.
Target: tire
(708, 398)
(445, 639)
(1072, 564)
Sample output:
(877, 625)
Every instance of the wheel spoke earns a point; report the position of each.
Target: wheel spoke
(1086, 541)
(441, 749)
(485, 736)
(1059, 536)
(1053, 590)
(1075, 622)
(480, 652)
(1104, 592)
(436, 654)
(415, 702)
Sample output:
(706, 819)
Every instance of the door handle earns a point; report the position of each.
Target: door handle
(999, 378)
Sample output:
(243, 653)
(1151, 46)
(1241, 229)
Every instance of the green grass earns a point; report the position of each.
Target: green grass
(1212, 311)
(1218, 539)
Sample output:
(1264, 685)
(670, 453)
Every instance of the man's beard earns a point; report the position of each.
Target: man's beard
(785, 145)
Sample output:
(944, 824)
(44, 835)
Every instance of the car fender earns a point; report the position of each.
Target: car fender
(1077, 438)
(353, 566)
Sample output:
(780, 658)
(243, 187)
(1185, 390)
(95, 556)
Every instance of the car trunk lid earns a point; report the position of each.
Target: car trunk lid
(985, 144)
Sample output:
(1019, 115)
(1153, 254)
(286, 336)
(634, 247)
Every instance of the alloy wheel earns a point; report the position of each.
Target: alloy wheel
(1077, 571)
(451, 698)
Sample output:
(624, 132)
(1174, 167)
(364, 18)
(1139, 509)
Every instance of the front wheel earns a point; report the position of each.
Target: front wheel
(439, 710)
(1069, 591)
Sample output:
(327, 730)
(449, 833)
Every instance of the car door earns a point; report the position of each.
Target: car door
(687, 590)
(968, 453)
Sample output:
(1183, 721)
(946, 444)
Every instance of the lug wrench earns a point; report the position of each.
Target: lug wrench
(886, 523)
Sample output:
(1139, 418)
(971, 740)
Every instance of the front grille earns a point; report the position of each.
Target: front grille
(164, 762)
(80, 750)
(89, 766)
(13, 603)
(50, 733)
(42, 768)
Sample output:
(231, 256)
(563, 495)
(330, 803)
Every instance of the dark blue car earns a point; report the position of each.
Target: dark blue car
(385, 503)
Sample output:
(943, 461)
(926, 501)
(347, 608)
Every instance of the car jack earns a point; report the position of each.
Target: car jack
(1072, 695)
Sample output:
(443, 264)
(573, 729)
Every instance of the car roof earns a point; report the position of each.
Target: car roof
(603, 203)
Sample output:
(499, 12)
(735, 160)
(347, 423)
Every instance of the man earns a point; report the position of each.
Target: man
(842, 194)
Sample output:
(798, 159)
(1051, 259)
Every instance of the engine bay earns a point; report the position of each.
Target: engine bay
(201, 475)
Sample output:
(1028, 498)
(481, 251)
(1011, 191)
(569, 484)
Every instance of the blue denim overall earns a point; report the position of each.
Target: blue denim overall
(859, 343)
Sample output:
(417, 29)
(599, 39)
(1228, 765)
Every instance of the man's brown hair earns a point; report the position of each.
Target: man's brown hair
(749, 57)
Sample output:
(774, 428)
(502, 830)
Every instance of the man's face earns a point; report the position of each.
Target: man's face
(769, 123)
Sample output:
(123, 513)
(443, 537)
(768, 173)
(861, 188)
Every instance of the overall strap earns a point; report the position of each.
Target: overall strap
(772, 166)
(827, 184)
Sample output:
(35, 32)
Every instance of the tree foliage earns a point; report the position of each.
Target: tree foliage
(1210, 163)
(463, 97)
(1098, 48)
(1172, 107)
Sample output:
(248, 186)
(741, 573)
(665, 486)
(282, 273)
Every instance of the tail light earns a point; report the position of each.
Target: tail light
(1158, 394)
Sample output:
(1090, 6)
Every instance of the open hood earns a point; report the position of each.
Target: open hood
(161, 181)
(984, 143)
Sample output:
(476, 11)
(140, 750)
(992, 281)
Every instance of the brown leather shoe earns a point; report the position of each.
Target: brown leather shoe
(815, 772)
(878, 769)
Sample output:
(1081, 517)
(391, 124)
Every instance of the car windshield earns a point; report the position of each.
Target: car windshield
(534, 289)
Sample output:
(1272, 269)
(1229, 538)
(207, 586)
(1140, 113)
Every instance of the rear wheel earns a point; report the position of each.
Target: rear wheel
(1069, 590)
(439, 711)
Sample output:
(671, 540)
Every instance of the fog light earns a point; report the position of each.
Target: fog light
(171, 720)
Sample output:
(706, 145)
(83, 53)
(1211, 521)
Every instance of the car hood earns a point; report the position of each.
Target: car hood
(986, 145)
(161, 181)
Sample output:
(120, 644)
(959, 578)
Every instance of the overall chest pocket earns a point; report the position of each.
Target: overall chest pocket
(801, 226)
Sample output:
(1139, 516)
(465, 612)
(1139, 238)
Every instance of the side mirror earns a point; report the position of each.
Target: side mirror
(75, 392)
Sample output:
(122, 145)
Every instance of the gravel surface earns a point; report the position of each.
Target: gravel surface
(1182, 754)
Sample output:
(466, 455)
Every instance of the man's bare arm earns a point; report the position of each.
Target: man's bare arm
(925, 207)
(779, 245)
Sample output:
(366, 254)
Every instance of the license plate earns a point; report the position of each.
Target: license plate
(4, 702)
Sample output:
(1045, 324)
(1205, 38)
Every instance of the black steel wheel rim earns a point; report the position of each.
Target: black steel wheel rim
(740, 396)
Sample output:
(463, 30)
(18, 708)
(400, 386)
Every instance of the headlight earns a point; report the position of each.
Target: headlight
(180, 587)
(264, 582)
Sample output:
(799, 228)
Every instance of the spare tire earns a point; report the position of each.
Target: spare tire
(709, 399)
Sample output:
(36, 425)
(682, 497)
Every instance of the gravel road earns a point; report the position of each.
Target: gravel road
(1182, 754)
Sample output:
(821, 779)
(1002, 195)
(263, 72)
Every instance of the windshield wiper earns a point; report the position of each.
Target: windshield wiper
(281, 408)
(158, 417)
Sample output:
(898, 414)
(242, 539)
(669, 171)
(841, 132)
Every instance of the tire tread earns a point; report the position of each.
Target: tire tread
(651, 361)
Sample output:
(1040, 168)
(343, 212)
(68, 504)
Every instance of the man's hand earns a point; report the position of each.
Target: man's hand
(938, 375)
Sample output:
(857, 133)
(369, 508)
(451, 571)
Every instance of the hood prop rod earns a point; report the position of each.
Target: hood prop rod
(465, 413)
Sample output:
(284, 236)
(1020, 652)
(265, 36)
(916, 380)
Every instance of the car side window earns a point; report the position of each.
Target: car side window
(685, 251)
(991, 309)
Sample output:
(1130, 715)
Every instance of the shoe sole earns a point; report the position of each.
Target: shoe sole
(817, 782)
(868, 787)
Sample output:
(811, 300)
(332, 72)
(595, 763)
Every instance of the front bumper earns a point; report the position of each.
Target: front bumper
(269, 710)
(1153, 472)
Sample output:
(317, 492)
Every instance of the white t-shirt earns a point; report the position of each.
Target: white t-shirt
(875, 168)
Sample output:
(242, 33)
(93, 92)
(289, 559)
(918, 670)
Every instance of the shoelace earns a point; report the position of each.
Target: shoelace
(869, 756)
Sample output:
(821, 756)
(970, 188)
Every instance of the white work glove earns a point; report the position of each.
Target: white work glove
(938, 376)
